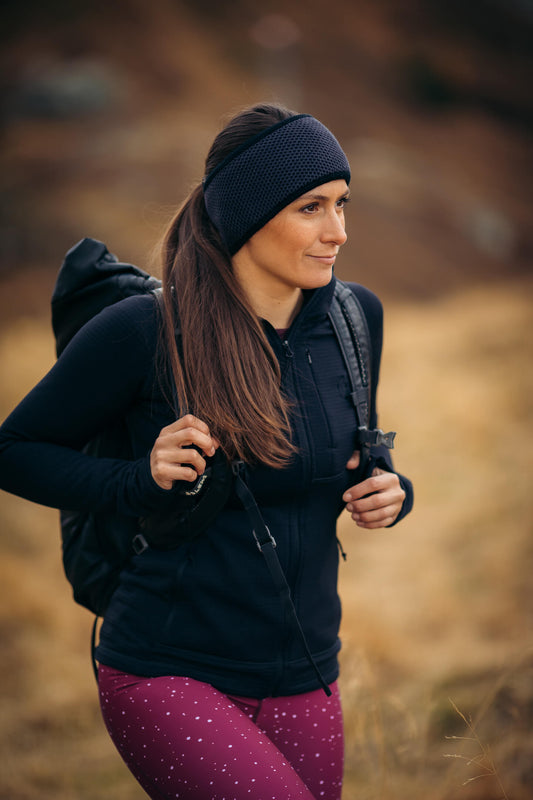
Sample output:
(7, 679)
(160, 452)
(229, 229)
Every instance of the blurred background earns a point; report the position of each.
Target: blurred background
(107, 111)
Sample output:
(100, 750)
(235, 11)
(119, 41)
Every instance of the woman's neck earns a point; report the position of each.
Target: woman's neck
(279, 311)
(271, 298)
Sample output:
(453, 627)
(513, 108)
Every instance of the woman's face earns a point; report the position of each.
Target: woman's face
(297, 248)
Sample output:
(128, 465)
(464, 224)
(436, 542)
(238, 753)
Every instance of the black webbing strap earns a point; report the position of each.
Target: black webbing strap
(351, 328)
(267, 546)
(343, 321)
(93, 648)
(349, 323)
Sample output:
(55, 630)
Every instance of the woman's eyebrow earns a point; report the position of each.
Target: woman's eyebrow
(313, 196)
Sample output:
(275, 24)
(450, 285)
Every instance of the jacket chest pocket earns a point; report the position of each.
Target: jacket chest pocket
(329, 415)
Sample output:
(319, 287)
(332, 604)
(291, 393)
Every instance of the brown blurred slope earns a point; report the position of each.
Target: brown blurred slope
(430, 101)
(108, 110)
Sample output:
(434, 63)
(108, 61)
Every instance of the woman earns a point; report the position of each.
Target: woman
(205, 688)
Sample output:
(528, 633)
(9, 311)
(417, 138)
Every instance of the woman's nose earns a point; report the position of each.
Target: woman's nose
(334, 230)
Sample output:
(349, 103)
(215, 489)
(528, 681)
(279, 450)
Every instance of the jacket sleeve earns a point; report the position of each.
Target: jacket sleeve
(92, 384)
(381, 455)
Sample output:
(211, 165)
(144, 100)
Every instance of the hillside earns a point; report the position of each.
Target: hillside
(107, 111)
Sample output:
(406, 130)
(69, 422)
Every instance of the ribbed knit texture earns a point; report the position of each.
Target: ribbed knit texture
(267, 173)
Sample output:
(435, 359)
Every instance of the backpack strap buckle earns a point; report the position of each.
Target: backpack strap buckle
(139, 544)
(375, 437)
(269, 539)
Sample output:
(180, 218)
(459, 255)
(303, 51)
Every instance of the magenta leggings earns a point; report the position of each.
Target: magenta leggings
(184, 739)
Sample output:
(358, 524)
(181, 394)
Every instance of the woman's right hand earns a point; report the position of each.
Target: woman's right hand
(172, 457)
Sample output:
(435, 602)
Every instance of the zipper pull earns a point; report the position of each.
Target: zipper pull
(308, 354)
(341, 549)
(287, 348)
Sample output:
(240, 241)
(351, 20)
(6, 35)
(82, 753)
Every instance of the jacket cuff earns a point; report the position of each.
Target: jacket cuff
(143, 495)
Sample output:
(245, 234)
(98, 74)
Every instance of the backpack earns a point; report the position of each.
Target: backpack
(97, 546)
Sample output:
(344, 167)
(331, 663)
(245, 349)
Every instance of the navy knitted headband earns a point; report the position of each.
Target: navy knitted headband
(268, 172)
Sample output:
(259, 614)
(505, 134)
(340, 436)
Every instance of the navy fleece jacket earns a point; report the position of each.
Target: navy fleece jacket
(207, 609)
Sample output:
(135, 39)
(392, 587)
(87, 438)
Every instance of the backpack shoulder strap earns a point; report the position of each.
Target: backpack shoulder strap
(351, 328)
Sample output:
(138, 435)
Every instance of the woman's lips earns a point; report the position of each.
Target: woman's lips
(329, 260)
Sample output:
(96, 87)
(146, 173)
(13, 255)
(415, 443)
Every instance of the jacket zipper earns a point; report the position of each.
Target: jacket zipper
(287, 350)
(320, 400)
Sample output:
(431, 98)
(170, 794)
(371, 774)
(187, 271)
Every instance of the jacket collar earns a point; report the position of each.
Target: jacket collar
(317, 302)
(315, 307)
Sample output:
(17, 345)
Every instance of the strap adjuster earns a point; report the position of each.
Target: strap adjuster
(375, 437)
(270, 539)
(139, 544)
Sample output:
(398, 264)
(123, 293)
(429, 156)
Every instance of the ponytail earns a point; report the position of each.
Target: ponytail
(225, 371)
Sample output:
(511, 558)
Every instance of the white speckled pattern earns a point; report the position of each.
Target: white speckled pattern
(182, 738)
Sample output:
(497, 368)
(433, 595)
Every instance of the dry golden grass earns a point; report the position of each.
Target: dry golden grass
(437, 612)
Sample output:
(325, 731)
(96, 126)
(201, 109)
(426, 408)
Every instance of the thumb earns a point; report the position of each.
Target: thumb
(353, 462)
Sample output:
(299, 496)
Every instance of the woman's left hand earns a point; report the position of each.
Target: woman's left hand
(376, 501)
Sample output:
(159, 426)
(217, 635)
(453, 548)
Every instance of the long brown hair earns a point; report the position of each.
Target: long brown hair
(225, 370)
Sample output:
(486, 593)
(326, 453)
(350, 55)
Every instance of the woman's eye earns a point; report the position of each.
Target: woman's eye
(310, 208)
(343, 202)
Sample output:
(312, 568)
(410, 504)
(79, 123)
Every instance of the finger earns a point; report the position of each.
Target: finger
(190, 421)
(381, 519)
(186, 456)
(166, 473)
(176, 464)
(186, 422)
(188, 437)
(379, 500)
(379, 481)
(377, 515)
(368, 486)
(354, 461)
(174, 459)
(373, 501)
(384, 523)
